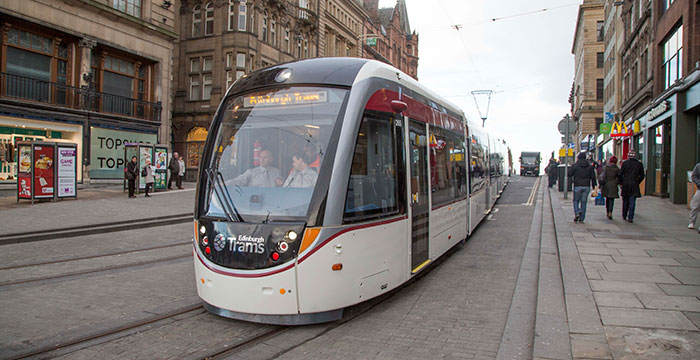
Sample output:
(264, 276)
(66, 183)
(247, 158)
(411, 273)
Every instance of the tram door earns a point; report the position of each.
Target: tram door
(418, 158)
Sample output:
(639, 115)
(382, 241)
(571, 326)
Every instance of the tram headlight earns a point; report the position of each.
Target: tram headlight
(203, 229)
(291, 235)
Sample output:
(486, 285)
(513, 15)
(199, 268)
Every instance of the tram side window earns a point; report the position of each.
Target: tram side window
(477, 164)
(376, 176)
(448, 174)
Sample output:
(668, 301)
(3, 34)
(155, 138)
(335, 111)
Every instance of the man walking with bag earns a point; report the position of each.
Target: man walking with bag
(630, 175)
(584, 180)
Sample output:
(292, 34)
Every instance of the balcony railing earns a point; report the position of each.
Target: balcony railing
(30, 89)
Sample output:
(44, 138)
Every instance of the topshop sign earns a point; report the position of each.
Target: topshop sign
(107, 151)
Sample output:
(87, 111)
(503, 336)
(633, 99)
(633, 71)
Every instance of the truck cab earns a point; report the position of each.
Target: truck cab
(529, 163)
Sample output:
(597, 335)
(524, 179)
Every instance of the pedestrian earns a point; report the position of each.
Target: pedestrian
(148, 176)
(181, 172)
(130, 174)
(584, 180)
(174, 167)
(695, 201)
(630, 175)
(608, 184)
(551, 171)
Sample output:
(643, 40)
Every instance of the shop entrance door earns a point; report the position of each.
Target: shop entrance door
(420, 209)
(661, 159)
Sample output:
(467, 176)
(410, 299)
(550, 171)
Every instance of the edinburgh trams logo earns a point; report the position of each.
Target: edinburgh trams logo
(240, 243)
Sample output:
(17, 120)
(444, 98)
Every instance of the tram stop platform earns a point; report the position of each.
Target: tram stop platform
(610, 289)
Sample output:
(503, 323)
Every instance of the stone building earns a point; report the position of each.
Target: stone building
(222, 40)
(587, 92)
(95, 73)
(612, 83)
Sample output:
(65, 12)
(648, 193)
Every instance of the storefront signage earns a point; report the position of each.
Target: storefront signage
(43, 171)
(107, 151)
(619, 129)
(658, 110)
(67, 162)
(605, 128)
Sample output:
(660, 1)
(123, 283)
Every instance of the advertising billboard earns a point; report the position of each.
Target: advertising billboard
(43, 171)
(107, 151)
(67, 171)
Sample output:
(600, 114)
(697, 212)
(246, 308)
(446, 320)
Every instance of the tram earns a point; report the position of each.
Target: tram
(326, 182)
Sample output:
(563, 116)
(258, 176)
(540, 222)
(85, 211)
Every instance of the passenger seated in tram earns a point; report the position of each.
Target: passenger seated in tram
(302, 175)
(264, 175)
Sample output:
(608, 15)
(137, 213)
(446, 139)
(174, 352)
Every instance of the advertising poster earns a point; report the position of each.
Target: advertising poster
(43, 171)
(25, 159)
(24, 186)
(107, 151)
(161, 162)
(145, 154)
(67, 157)
(159, 180)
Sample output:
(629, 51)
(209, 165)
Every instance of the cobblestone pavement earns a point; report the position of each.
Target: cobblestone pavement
(639, 298)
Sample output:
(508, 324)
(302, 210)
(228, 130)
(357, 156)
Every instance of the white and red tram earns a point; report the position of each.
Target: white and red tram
(327, 182)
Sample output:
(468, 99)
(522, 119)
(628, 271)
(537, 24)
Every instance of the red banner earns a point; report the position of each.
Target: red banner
(43, 171)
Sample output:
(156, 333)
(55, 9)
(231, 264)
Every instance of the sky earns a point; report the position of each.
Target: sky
(524, 57)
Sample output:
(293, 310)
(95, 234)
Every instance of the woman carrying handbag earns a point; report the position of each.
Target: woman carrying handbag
(609, 184)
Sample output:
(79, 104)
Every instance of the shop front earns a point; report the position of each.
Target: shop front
(14, 130)
(107, 150)
(668, 144)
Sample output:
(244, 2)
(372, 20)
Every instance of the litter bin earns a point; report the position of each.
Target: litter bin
(563, 178)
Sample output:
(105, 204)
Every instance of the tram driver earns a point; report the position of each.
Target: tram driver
(302, 174)
(264, 175)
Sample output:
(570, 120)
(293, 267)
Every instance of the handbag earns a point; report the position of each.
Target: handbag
(600, 200)
(601, 178)
(143, 172)
(128, 175)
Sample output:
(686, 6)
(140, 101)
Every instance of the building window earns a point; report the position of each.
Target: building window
(206, 86)
(286, 39)
(599, 89)
(264, 26)
(123, 83)
(229, 79)
(239, 74)
(242, 16)
(196, 21)
(600, 30)
(600, 60)
(209, 19)
(131, 7)
(195, 145)
(240, 60)
(273, 30)
(195, 65)
(306, 48)
(207, 64)
(337, 47)
(673, 57)
(666, 4)
(298, 50)
(194, 87)
(229, 60)
(231, 14)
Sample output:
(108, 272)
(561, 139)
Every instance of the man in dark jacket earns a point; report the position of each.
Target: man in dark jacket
(131, 173)
(630, 175)
(551, 171)
(174, 167)
(584, 180)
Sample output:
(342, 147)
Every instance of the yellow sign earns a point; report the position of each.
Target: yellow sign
(619, 129)
(285, 99)
(637, 127)
(562, 153)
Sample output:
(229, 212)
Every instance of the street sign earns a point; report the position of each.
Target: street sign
(571, 145)
(562, 153)
(371, 41)
(605, 128)
(562, 126)
(609, 117)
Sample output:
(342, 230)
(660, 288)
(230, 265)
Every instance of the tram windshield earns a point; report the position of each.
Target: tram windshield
(268, 150)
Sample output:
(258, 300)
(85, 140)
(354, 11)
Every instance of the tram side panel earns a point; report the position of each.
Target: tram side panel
(447, 227)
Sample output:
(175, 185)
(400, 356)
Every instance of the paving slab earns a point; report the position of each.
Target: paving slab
(658, 277)
(616, 267)
(682, 290)
(666, 302)
(590, 347)
(645, 318)
(625, 286)
(687, 275)
(617, 299)
(645, 260)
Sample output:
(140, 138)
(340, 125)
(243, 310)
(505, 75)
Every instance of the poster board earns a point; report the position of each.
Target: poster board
(160, 164)
(145, 153)
(67, 170)
(24, 171)
(44, 157)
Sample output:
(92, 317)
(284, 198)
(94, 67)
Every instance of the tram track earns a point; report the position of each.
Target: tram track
(92, 229)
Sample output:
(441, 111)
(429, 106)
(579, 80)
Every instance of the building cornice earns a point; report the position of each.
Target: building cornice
(141, 23)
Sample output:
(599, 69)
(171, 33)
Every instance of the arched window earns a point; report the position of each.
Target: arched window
(273, 31)
(196, 21)
(209, 21)
(231, 14)
(264, 26)
(195, 145)
(242, 17)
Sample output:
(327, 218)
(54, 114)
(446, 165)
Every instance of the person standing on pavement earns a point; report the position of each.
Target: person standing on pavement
(608, 185)
(130, 173)
(174, 167)
(181, 172)
(551, 171)
(695, 201)
(630, 175)
(584, 180)
(148, 176)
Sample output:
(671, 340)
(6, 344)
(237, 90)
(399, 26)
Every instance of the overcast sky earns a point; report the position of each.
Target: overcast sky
(524, 57)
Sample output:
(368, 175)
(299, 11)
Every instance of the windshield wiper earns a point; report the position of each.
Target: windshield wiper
(218, 186)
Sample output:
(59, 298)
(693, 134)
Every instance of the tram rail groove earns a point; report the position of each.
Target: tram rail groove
(117, 253)
(101, 228)
(197, 308)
